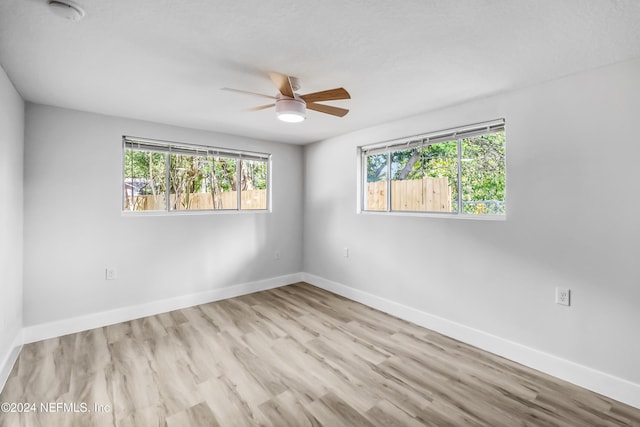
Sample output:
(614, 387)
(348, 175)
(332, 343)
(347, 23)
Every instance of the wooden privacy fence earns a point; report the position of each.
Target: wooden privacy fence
(251, 199)
(427, 194)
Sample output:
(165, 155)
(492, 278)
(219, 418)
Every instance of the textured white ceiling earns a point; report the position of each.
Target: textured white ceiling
(166, 60)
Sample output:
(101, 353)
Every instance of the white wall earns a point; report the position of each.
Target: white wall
(74, 228)
(573, 156)
(11, 191)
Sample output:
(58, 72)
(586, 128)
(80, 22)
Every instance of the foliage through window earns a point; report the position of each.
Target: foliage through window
(457, 171)
(163, 176)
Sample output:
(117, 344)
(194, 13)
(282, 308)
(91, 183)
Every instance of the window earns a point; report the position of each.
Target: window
(170, 177)
(457, 171)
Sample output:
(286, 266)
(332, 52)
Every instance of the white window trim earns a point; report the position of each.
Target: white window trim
(457, 133)
(169, 147)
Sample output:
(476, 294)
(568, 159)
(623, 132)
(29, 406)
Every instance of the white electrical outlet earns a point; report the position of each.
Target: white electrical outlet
(563, 296)
(345, 252)
(110, 274)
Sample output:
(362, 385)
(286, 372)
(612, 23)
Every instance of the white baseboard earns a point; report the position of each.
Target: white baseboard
(97, 320)
(9, 359)
(583, 376)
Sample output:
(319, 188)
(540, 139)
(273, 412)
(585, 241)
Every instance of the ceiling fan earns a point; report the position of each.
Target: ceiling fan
(291, 107)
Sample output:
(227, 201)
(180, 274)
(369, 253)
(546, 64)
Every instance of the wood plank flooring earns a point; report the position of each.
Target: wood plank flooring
(292, 356)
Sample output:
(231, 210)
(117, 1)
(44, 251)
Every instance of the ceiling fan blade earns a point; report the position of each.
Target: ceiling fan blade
(327, 95)
(328, 109)
(246, 92)
(283, 84)
(262, 107)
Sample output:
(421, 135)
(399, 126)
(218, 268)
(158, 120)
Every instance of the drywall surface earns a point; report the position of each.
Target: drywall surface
(572, 221)
(74, 227)
(11, 189)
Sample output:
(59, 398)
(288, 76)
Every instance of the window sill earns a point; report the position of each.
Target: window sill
(138, 214)
(437, 215)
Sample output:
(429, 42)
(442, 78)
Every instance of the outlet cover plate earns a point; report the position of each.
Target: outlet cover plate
(563, 296)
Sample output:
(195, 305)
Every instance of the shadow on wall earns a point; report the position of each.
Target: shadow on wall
(163, 257)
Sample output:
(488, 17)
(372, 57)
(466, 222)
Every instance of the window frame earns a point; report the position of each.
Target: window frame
(452, 134)
(172, 147)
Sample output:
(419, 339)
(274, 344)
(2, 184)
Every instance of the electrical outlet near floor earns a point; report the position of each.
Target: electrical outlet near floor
(563, 296)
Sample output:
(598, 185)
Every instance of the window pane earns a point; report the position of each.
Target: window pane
(441, 166)
(203, 182)
(165, 176)
(375, 194)
(144, 180)
(187, 176)
(407, 192)
(253, 177)
(425, 179)
(223, 183)
(483, 174)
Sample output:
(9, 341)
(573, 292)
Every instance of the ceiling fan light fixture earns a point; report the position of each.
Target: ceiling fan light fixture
(291, 110)
(291, 107)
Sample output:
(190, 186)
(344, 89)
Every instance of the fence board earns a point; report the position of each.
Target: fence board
(251, 199)
(421, 195)
(377, 196)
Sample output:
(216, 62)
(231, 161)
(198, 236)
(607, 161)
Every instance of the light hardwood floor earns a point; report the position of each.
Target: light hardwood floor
(292, 356)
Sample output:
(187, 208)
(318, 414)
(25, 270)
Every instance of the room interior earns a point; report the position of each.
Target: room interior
(563, 75)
